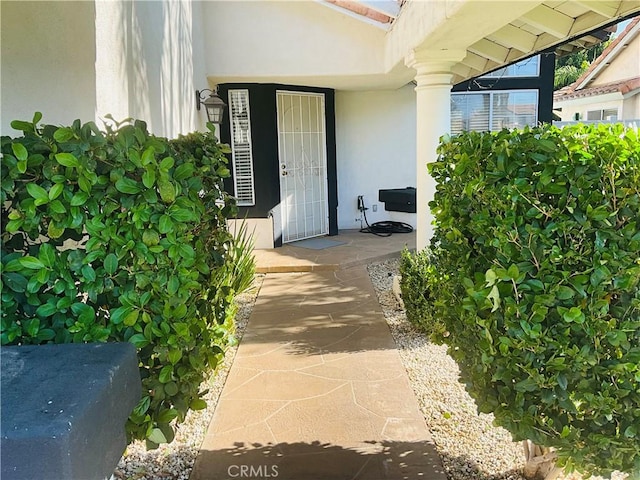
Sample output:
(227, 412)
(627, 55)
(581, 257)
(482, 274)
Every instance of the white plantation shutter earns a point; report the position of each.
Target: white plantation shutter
(469, 111)
(241, 153)
(493, 110)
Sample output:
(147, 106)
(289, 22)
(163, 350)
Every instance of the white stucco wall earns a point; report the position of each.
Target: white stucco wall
(149, 63)
(587, 104)
(295, 42)
(47, 62)
(631, 107)
(84, 60)
(376, 149)
(625, 65)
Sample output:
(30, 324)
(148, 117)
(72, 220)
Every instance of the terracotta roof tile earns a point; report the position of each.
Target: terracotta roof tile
(623, 86)
(363, 10)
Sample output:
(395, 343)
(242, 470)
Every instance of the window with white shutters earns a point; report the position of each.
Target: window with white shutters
(493, 110)
(241, 154)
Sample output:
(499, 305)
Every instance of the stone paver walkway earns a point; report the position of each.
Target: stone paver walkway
(317, 390)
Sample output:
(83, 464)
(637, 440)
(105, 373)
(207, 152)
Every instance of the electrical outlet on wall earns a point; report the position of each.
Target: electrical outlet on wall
(374, 207)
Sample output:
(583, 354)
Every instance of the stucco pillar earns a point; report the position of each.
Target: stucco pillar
(433, 119)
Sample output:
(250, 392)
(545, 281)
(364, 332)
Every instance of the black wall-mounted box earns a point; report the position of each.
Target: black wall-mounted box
(398, 199)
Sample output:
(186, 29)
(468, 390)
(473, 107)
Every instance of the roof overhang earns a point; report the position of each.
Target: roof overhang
(498, 33)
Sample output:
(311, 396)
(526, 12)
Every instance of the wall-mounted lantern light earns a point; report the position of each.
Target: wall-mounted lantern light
(213, 104)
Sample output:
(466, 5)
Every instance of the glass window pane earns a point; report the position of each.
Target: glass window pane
(524, 68)
(469, 111)
(514, 109)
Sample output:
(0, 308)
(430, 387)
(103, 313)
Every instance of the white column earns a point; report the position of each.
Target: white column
(433, 119)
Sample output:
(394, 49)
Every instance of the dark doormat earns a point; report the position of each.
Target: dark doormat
(319, 243)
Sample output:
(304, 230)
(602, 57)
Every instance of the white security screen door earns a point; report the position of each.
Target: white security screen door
(303, 165)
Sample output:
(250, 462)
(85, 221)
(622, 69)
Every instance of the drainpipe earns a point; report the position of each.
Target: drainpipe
(433, 119)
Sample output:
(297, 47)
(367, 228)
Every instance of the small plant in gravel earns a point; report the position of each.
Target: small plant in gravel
(534, 271)
(119, 235)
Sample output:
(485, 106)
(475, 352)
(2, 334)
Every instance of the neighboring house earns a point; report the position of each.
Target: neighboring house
(610, 88)
(328, 100)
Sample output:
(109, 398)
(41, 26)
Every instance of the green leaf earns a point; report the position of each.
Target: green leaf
(166, 163)
(198, 404)
(131, 318)
(174, 356)
(148, 156)
(156, 436)
(32, 326)
(57, 207)
(110, 264)
(67, 160)
(22, 126)
(22, 166)
(32, 263)
(186, 251)
(165, 225)
(47, 255)
(55, 191)
(526, 385)
(63, 134)
(599, 275)
(128, 186)
(574, 314)
(84, 184)
(46, 310)
(173, 285)
(118, 315)
(166, 374)
(19, 151)
(184, 171)
(15, 282)
(183, 215)
(562, 382)
(171, 389)
(139, 340)
(168, 415)
(88, 273)
(565, 293)
(40, 194)
(79, 198)
(54, 230)
(45, 334)
(490, 277)
(150, 238)
(149, 177)
(167, 191)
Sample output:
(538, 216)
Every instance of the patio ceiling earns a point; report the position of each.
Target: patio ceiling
(497, 33)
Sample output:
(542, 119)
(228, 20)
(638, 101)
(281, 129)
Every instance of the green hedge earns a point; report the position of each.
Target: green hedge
(120, 236)
(534, 274)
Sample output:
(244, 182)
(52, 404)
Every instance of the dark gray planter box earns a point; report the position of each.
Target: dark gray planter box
(64, 409)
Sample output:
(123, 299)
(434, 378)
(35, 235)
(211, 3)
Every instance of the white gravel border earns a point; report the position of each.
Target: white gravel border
(469, 445)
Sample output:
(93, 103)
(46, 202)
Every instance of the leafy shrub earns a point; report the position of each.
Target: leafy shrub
(418, 278)
(120, 236)
(536, 273)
